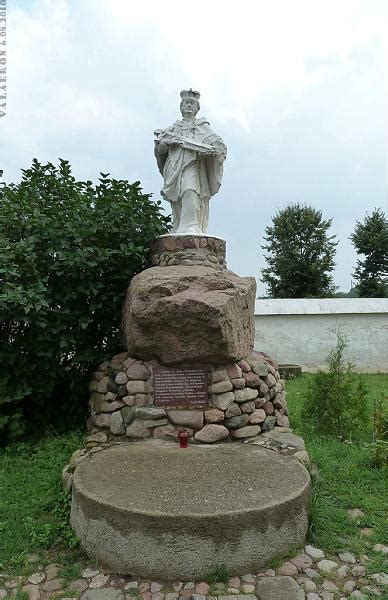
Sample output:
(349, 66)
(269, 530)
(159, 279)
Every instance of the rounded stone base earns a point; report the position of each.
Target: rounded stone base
(153, 509)
(188, 250)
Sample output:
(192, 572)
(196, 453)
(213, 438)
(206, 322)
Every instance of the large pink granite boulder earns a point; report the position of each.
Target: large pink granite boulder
(183, 315)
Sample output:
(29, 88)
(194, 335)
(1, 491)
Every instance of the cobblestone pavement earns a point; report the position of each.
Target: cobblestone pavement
(309, 575)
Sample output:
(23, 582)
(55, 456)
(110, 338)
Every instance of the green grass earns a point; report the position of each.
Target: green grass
(33, 508)
(343, 478)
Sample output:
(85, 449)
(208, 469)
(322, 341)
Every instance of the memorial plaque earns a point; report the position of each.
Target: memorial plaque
(181, 387)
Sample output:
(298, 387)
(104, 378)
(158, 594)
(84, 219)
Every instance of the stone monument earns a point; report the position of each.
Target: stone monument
(189, 363)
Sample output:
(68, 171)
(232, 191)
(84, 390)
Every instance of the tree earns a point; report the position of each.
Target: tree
(67, 252)
(301, 254)
(370, 238)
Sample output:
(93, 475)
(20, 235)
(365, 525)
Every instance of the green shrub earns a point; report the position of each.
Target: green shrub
(68, 249)
(335, 403)
(378, 448)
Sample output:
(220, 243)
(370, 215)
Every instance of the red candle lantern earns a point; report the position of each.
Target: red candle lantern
(183, 436)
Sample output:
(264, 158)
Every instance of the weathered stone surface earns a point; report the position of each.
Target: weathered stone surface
(260, 369)
(214, 415)
(191, 418)
(247, 407)
(248, 431)
(149, 423)
(278, 588)
(258, 416)
(287, 569)
(103, 594)
(137, 387)
(218, 375)
(212, 433)
(137, 430)
(245, 395)
(268, 407)
(222, 401)
(327, 566)
(165, 432)
(117, 426)
(150, 412)
(233, 411)
(138, 371)
(121, 378)
(282, 421)
(220, 387)
(252, 380)
(234, 371)
(239, 383)
(269, 423)
(181, 314)
(128, 414)
(102, 420)
(236, 422)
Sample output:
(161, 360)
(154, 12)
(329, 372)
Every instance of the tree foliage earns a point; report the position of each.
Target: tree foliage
(300, 254)
(336, 399)
(370, 238)
(67, 252)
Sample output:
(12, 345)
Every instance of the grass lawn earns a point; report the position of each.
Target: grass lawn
(34, 510)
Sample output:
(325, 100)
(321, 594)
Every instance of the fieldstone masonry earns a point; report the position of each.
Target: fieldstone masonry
(245, 399)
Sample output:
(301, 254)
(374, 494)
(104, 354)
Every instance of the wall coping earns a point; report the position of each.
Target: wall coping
(320, 306)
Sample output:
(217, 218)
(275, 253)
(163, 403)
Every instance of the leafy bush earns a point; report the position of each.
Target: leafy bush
(378, 448)
(336, 400)
(67, 252)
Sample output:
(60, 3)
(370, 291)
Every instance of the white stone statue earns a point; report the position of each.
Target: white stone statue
(190, 158)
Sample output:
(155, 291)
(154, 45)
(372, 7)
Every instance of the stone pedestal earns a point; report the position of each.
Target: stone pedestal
(189, 250)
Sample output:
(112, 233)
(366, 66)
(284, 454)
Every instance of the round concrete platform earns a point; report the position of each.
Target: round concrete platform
(152, 509)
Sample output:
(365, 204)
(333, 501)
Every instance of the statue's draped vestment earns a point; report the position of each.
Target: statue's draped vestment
(184, 168)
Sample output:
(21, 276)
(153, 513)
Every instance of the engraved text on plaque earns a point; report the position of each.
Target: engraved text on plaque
(181, 387)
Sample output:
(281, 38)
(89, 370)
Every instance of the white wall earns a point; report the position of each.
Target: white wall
(298, 331)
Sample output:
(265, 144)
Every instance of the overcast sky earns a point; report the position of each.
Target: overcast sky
(294, 87)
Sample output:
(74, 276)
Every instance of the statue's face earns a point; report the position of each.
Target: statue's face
(189, 107)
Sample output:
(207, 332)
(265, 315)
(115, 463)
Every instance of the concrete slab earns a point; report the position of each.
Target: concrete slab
(150, 508)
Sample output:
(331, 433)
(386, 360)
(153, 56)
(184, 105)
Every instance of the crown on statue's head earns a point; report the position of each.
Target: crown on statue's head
(193, 95)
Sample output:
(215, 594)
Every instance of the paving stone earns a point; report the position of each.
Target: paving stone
(358, 571)
(343, 571)
(248, 588)
(202, 588)
(78, 585)
(327, 565)
(52, 571)
(37, 578)
(32, 591)
(157, 596)
(380, 578)
(248, 578)
(3, 593)
(355, 513)
(314, 553)
(380, 548)
(236, 597)
(131, 585)
(327, 596)
(288, 569)
(347, 557)
(357, 594)
(279, 588)
(233, 590)
(371, 590)
(311, 573)
(329, 586)
(103, 594)
(89, 572)
(308, 584)
(53, 585)
(156, 587)
(99, 581)
(313, 596)
(349, 586)
(172, 596)
(302, 561)
(234, 582)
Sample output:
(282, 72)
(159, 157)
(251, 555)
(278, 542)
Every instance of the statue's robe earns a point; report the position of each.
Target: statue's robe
(186, 169)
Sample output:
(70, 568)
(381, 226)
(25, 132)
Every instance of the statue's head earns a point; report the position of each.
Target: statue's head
(190, 103)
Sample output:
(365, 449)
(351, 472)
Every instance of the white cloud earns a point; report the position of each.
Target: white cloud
(295, 88)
